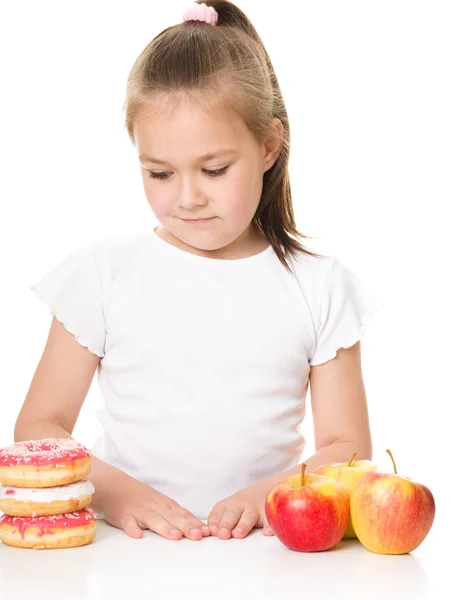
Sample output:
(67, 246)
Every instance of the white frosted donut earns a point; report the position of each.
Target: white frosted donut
(38, 502)
(44, 463)
(60, 531)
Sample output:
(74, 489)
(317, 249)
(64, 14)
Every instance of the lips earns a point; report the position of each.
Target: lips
(198, 220)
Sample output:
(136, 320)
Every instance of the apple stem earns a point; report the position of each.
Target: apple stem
(352, 458)
(393, 460)
(304, 466)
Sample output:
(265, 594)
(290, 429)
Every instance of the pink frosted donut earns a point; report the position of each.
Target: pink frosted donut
(61, 531)
(44, 463)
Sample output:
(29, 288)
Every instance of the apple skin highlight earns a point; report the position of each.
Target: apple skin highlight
(308, 512)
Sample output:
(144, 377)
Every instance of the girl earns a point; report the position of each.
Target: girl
(206, 331)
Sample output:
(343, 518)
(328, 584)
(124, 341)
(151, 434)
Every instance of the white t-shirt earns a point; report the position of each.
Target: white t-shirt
(204, 362)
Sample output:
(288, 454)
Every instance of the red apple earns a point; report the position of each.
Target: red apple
(391, 514)
(347, 473)
(308, 512)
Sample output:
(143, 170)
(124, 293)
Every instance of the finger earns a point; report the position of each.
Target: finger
(267, 529)
(205, 529)
(247, 522)
(228, 521)
(192, 520)
(191, 527)
(131, 527)
(214, 518)
(160, 525)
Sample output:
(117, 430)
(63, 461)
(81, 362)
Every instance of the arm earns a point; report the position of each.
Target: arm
(339, 411)
(54, 400)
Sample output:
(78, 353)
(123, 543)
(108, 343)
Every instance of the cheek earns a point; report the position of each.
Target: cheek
(242, 195)
(157, 196)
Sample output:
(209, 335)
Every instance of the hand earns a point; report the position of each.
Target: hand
(137, 506)
(241, 512)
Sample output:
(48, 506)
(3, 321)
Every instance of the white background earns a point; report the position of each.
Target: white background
(367, 89)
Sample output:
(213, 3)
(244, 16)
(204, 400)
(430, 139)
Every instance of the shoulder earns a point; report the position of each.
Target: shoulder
(120, 244)
(115, 258)
(324, 280)
(313, 273)
(116, 252)
(327, 278)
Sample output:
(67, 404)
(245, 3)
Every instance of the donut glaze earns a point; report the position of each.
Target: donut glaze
(60, 531)
(42, 452)
(36, 502)
(44, 463)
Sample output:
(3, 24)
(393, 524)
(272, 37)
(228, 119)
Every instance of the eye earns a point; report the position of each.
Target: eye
(216, 173)
(164, 175)
(157, 175)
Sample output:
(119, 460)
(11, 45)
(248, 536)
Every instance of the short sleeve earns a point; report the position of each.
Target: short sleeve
(346, 308)
(73, 292)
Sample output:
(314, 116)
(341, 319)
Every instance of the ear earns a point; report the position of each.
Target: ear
(273, 143)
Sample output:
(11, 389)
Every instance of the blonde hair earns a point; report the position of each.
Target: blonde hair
(199, 61)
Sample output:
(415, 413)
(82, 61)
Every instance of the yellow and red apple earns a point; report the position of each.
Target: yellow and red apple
(308, 512)
(347, 473)
(391, 514)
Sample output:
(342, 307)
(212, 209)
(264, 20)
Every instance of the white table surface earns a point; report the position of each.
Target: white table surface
(257, 566)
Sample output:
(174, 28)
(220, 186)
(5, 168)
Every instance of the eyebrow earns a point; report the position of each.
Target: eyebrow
(144, 158)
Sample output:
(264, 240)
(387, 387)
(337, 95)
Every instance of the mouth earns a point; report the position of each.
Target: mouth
(198, 220)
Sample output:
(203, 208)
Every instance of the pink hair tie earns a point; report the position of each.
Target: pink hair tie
(201, 12)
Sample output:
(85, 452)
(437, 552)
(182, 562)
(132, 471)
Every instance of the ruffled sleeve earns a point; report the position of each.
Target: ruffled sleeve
(346, 308)
(74, 295)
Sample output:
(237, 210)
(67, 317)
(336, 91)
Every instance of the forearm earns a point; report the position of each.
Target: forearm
(103, 476)
(340, 451)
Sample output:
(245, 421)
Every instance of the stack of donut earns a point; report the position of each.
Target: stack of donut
(45, 494)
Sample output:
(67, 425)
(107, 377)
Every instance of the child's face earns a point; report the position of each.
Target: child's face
(181, 189)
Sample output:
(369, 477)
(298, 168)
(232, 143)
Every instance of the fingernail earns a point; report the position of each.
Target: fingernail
(239, 530)
(195, 531)
(173, 531)
(224, 530)
(205, 529)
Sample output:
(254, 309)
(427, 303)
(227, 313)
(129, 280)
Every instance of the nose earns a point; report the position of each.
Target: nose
(190, 195)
